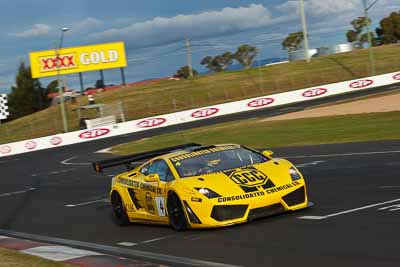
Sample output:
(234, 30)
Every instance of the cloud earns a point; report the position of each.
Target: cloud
(321, 7)
(86, 25)
(160, 30)
(36, 30)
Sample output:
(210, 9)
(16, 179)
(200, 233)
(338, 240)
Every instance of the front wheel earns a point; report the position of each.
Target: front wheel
(176, 213)
(120, 216)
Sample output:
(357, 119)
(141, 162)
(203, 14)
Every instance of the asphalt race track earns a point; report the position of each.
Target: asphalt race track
(355, 188)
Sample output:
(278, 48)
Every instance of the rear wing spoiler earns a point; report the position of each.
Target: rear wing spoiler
(99, 166)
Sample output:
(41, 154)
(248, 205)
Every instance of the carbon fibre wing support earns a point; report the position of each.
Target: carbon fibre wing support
(99, 166)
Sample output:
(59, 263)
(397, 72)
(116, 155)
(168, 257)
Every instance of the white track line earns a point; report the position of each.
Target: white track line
(105, 150)
(58, 253)
(17, 192)
(346, 211)
(86, 203)
(344, 154)
(156, 239)
(53, 172)
(389, 186)
(306, 164)
(66, 162)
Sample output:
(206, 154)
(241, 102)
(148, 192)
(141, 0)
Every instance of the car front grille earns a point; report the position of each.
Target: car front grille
(296, 197)
(228, 212)
(265, 211)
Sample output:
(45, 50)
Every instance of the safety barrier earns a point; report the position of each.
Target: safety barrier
(192, 115)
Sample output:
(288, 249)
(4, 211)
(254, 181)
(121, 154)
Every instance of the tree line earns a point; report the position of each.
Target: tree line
(388, 32)
(245, 55)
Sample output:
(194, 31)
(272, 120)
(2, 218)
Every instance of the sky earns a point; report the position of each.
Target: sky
(154, 31)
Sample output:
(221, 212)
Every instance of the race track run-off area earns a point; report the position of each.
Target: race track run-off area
(354, 222)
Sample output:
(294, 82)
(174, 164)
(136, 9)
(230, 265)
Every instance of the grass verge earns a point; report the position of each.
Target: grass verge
(12, 258)
(254, 133)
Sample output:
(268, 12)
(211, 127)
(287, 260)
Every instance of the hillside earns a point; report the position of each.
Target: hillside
(169, 96)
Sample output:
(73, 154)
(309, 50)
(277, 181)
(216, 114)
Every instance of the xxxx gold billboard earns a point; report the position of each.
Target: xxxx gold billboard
(77, 59)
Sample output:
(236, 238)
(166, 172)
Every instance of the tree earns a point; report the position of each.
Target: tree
(224, 60)
(293, 41)
(389, 31)
(184, 72)
(26, 96)
(219, 62)
(52, 87)
(245, 55)
(358, 36)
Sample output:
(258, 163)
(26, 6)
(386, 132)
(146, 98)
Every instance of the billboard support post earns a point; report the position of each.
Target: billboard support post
(102, 79)
(123, 76)
(81, 82)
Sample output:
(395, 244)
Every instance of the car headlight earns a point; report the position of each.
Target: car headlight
(208, 192)
(294, 174)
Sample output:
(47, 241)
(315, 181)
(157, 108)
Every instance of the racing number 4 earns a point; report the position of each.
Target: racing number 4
(160, 206)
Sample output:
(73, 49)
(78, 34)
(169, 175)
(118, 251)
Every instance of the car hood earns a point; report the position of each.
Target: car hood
(248, 179)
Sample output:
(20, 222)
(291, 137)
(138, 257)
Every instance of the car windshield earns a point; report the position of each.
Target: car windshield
(211, 161)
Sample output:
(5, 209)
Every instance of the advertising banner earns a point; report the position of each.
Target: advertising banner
(77, 59)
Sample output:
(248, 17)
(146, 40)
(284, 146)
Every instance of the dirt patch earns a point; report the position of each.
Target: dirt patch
(379, 104)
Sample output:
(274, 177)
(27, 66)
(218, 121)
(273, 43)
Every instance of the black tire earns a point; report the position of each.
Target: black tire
(120, 217)
(176, 213)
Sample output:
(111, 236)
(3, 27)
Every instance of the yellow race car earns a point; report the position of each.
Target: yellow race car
(196, 186)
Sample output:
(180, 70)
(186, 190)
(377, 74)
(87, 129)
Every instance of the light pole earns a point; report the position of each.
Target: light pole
(304, 26)
(370, 52)
(60, 90)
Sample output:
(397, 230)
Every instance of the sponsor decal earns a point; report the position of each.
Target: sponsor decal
(61, 62)
(202, 113)
(5, 150)
(131, 183)
(240, 197)
(202, 152)
(250, 179)
(148, 123)
(260, 102)
(315, 92)
(30, 145)
(282, 187)
(151, 188)
(149, 202)
(55, 140)
(94, 133)
(143, 186)
(397, 76)
(361, 83)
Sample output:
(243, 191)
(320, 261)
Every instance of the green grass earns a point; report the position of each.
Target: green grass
(11, 258)
(258, 134)
(159, 98)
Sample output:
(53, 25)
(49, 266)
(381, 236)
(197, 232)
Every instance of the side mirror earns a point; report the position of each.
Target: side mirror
(268, 153)
(152, 178)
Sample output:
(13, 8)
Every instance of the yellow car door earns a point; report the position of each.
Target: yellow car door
(154, 189)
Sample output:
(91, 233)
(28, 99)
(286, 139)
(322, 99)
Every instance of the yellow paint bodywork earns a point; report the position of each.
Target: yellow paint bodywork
(151, 197)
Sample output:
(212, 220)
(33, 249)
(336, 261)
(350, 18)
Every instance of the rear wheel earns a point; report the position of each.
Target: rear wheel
(120, 216)
(176, 213)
